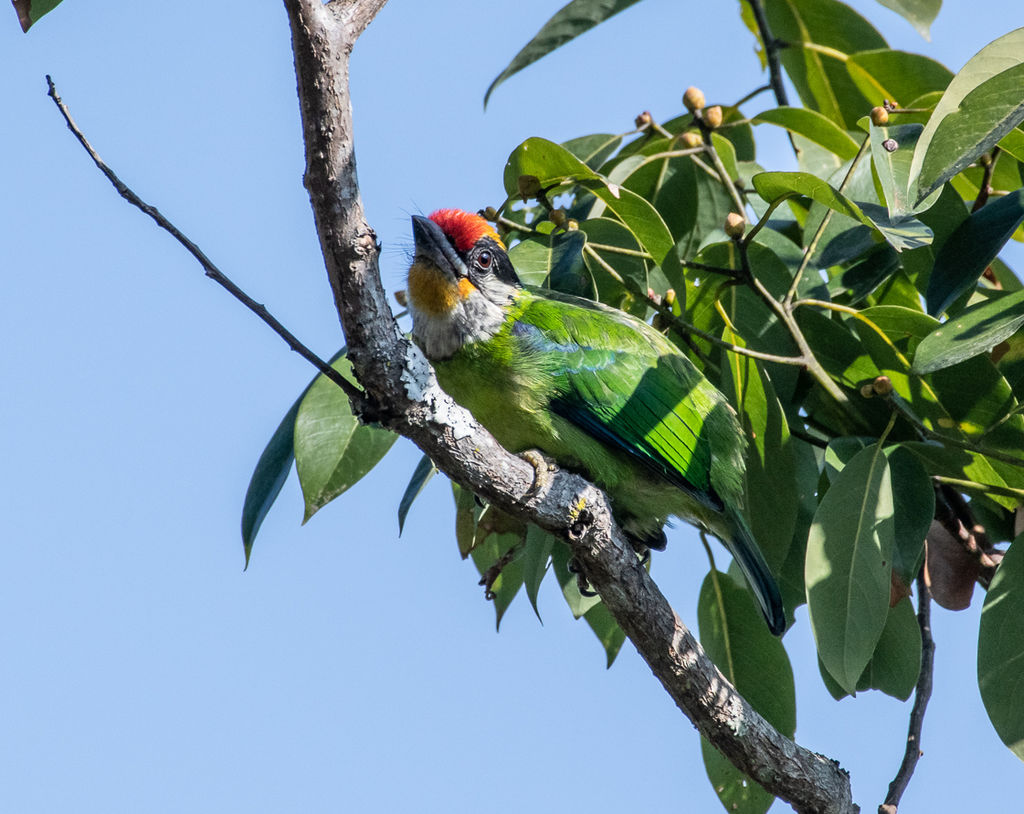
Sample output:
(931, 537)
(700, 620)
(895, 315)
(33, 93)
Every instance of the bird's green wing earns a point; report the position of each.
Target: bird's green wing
(623, 383)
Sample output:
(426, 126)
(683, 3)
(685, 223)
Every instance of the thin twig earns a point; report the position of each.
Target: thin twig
(753, 93)
(921, 696)
(771, 50)
(214, 273)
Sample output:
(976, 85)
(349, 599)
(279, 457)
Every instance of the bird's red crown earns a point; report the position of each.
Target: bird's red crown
(464, 228)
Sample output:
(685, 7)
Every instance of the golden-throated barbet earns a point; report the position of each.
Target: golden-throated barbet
(599, 391)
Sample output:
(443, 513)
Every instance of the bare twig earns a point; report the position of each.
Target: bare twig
(211, 270)
(921, 695)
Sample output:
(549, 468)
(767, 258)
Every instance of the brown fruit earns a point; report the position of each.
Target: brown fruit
(735, 225)
(693, 99)
(713, 116)
(879, 116)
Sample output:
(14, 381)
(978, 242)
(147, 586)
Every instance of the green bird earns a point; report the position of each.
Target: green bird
(597, 390)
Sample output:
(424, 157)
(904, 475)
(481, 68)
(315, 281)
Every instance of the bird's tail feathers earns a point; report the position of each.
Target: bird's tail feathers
(740, 542)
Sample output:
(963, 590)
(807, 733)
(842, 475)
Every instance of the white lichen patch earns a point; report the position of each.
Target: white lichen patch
(421, 385)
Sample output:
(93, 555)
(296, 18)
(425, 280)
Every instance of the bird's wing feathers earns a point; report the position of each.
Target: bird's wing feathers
(620, 381)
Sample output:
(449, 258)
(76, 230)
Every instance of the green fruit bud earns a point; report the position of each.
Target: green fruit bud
(691, 140)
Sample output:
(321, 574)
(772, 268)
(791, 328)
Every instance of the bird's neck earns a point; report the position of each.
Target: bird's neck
(474, 319)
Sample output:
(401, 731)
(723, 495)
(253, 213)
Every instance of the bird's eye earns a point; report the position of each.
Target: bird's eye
(483, 260)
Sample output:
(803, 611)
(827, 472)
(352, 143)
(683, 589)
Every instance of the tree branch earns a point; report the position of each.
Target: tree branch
(771, 50)
(396, 374)
(921, 695)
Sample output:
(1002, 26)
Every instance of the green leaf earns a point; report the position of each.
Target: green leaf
(421, 475)
(333, 450)
(892, 150)
(981, 105)
(268, 477)
(593, 150)
(914, 507)
(573, 19)
(975, 330)
(1001, 649)
(822, 81)
(733, 634)
(536, 558)
(840, 451)
(898, 76)
(919, 13)
(848, 564)
(554, 261)
(590, 608)
(896, 664)
(900, 234)
(811, 125)
(607, 630)
(30, 11)
(971, 248)
(770, 474)
(601, 232)
(502, 550)
(272, 471)
(553, 166)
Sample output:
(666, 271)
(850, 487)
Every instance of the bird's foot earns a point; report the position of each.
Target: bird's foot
(582, 585)
(542, 465)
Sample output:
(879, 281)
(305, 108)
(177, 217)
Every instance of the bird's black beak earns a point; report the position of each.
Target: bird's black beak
(432, 246)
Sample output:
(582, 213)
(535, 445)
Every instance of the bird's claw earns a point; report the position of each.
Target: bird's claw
(542, 465)
(582, 585)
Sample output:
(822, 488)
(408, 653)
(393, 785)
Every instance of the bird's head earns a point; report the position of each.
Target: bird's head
(460, 281)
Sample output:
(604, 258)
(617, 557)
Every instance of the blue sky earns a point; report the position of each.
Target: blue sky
(347, 670)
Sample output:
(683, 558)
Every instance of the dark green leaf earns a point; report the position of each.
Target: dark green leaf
(573, 19)
(733, 634)
(333, 450)
(971, 248)
(975, 330)
(536, 557)
(848, 565)
(840, 451)
(914, 508)
(972, 466)
(29, 11)
(554, 261)
(919, 13)
(811, 125)
(1001, 649)
(605, 232)
(272, 471)
(770, 474)
(268, 477)
(424, 471)
(981, 105)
